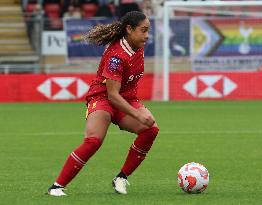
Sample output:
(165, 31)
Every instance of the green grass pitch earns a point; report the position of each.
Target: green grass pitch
(225, 136)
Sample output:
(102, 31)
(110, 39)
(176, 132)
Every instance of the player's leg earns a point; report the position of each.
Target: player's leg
(96, 129)
(138, 150)
(141, 145)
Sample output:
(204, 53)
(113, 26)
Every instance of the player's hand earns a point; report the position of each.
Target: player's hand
(146, 119)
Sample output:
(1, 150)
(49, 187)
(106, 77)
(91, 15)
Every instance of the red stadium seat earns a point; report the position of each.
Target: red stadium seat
(53, 15)
(89, 10)
(52, 8)
(53, 12)
(30, 7)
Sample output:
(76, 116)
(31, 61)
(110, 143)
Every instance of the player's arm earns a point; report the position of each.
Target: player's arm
(113, 88)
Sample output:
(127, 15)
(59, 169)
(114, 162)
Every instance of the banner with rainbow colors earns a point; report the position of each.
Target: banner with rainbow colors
(226, 44)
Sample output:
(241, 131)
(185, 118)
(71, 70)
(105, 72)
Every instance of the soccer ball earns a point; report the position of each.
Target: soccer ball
(193, 178)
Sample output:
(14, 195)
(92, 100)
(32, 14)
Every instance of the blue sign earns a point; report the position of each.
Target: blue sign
(77, 47)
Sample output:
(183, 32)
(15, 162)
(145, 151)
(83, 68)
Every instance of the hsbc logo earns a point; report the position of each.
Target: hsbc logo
(63, 88)
(210, 86)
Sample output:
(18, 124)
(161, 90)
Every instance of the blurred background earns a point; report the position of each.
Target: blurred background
(214, 52)
(205, 60)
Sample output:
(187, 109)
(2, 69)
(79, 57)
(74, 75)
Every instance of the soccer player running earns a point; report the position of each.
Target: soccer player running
(112, 97)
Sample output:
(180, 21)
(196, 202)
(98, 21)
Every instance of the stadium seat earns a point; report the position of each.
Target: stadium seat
(30, 7)
(89, 10)
(52, 8)
(53, 13)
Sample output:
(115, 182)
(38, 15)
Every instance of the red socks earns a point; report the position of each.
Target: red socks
(81, 155)
(77, 160)
(139, 149)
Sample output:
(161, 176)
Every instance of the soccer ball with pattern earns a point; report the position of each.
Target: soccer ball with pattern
(193, 178)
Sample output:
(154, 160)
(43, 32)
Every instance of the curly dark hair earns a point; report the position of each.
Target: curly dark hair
(104, 34)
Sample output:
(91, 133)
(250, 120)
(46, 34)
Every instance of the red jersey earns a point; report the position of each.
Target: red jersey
(119, 62)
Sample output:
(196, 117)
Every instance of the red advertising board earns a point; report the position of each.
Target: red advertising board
(41, 87)
(216, 86)
(55, 87)
(183, 86)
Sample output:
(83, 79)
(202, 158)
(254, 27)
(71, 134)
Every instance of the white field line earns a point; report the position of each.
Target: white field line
(203, 132)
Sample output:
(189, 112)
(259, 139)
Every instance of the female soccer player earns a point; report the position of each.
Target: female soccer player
(112, 97)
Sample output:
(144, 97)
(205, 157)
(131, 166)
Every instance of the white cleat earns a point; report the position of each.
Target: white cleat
(56, 191)
(119, 184)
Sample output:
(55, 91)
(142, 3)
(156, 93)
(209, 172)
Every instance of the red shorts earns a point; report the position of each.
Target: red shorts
(104, 104)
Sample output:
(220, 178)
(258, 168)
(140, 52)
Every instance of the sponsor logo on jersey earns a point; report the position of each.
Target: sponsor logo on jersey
(134, 77)
(114, 64)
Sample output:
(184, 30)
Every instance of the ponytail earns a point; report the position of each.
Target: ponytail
(105, 34)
